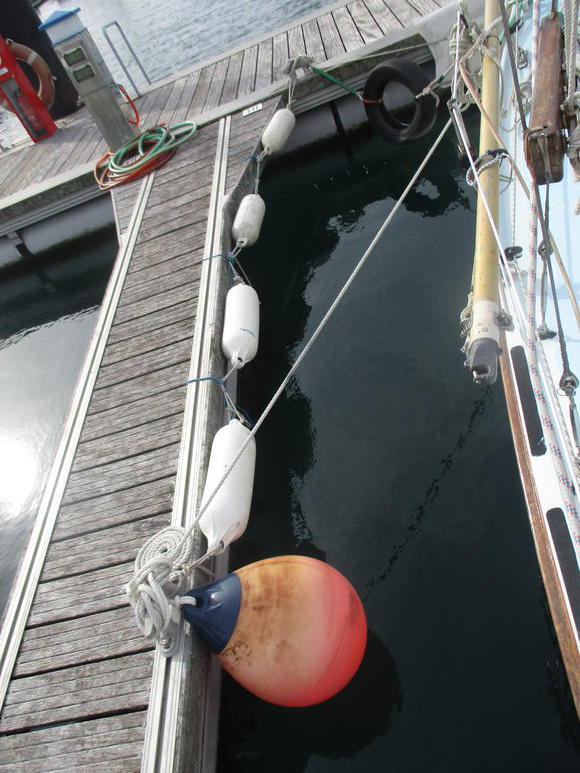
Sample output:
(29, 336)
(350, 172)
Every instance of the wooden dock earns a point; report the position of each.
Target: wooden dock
(83, 689)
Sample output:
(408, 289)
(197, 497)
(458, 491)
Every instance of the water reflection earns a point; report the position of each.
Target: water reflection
(337, 729)
(49, 310)
(380, 457)
(19, 469)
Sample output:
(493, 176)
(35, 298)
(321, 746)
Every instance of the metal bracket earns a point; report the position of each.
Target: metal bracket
(513, 253)
(504, 320)
(522, 58)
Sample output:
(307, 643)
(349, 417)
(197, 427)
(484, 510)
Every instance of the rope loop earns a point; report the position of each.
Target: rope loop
(483, 162)
(159, 576)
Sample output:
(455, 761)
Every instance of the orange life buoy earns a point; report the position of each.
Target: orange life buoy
(45, 81)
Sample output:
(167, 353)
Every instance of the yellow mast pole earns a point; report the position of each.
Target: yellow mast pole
(482, 346)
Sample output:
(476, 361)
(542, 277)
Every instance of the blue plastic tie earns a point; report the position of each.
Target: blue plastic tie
(218, 381)
(217, 255)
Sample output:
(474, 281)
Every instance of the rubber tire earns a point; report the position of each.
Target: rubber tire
(410, 75)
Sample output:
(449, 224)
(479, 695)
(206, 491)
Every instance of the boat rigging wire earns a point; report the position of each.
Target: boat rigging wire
(568, 381)
(519, 177)
(566, 485)
(164, 561)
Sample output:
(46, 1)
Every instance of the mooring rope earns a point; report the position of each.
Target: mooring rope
(163, 566)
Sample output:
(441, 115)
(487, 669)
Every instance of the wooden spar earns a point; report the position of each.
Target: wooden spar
(482, 347)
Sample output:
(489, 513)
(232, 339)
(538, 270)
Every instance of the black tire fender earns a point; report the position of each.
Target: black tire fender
(408, 74)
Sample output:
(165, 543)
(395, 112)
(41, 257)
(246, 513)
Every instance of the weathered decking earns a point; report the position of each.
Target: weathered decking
(81, 685)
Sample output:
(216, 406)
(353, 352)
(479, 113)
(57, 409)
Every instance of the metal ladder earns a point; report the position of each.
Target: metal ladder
(119, 58)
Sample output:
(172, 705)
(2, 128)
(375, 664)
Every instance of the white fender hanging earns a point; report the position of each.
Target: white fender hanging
(241, 325)
(227, 514)
(278, 130)
(248, 220)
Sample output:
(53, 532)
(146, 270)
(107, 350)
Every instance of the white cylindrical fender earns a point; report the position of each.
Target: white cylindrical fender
(278, 130)
(227, 514)
(248, 220)
(241, 325)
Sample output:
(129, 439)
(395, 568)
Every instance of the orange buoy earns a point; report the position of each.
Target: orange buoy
(290, 629)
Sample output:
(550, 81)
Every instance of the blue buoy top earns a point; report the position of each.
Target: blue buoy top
(216, 610)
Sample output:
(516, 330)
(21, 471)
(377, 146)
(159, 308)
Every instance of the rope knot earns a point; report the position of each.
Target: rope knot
(159, 576)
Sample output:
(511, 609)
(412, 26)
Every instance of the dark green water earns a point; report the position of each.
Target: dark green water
(384, 460)
(49, 309)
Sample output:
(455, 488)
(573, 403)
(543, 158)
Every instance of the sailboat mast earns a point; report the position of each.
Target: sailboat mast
(482, 347)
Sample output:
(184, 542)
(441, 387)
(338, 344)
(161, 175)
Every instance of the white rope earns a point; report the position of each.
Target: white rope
(571, 8)
(164, 563)
(156, 581)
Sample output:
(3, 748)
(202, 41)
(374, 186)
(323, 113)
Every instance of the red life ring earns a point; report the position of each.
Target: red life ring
(45, 81)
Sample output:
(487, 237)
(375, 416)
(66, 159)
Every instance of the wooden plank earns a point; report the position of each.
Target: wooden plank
(247, 138)
(333, 44)
(156, 250)
(115, 545)
(73, 145)
(424, 7)
(133, 389)
(10, 160)
(382, 15)
(78, 151)
(248, 72)
(80, 595)
(180, 257)
(296, 44)
(128, 442)
(140, 344)
(32, 161)
(173, 102)
(78, 692)
(107, 741)
(57, 157)
(349, 33)
(109, 634)
(214, 94)
(161, 300)
(177, 197)
(156, 225)
(367, 27)
(115, 508)
(153, 113)
(186, 271)
(313, 41)
(264, 64)
(193, 171)
(122, 475)
(201, 91)
(139, 291)
(232, 81)
(181, 112)
(130, 415)
(279, 55)
(173, 313)
(403, 12)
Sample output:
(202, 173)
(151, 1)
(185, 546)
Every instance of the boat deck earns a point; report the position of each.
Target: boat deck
(76, 672)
